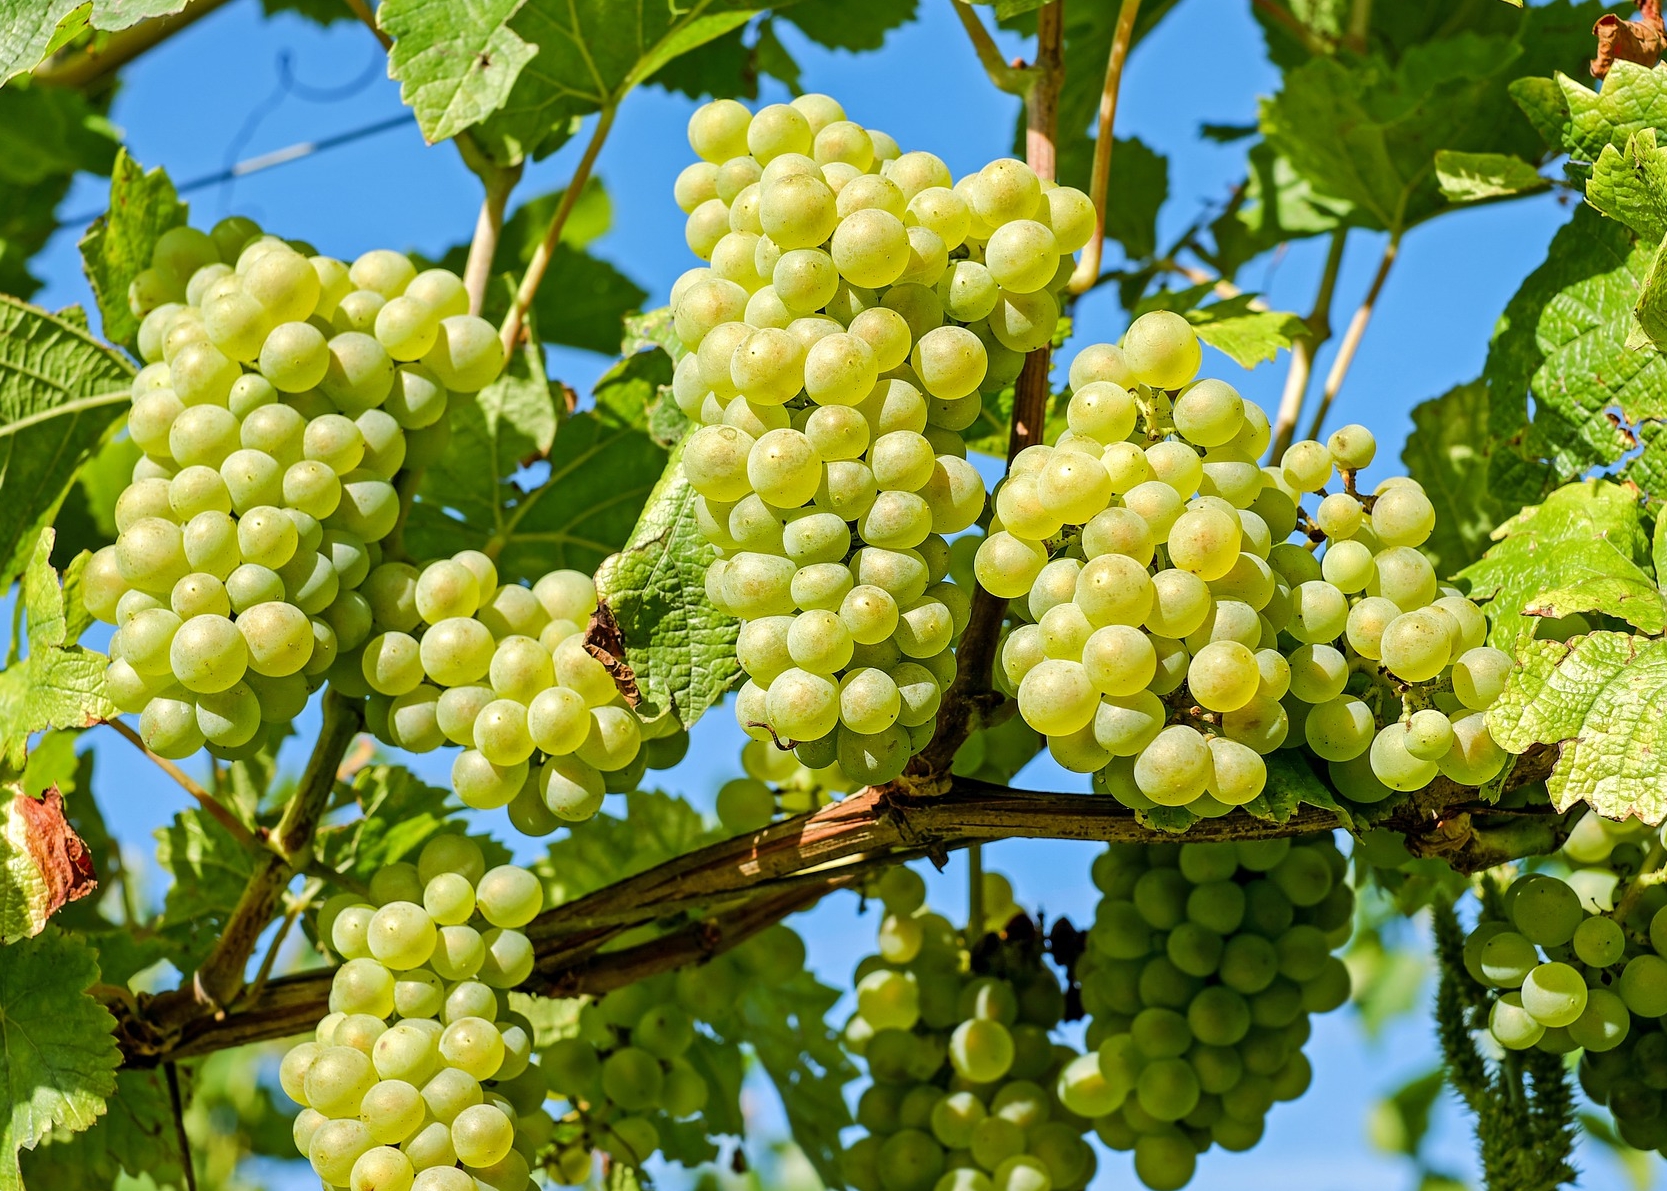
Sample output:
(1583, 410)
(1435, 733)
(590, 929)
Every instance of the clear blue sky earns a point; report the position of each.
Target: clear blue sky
(188, 106)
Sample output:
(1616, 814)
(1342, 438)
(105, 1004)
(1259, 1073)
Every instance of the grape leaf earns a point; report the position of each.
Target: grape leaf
(1586, 543)
(849, 24)
(681, 647)
(1470, 177)
(1133, 204)
(605, 849)
(997, 754)
(455, 63)
(1599, 699)
(1447, 452)
(58, 1054)
(31, 29)
(1631, 185)
(1633, 98)
(1292, 783)
(43, 863)
(1563, 341)
(59, 684)
(59, 391)
(117, 247)
(135, 1137)
(46, 132)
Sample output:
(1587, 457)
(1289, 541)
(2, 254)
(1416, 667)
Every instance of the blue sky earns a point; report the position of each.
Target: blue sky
(212, 95)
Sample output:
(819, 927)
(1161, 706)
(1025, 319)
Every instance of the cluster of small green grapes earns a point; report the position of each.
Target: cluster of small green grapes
(282, 393)
(969, 1092)
(1203, 966)
(1171, 636)
(1571, 967)
(421, 1078)
(857, 302)
(623, 1073)
(776, 781)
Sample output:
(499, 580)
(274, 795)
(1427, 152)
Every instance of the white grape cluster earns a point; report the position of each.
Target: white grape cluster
(969, 1091)
(624, 1074)
(282, 394)
(500, 669)
(1171, 635)
(1203, 965)
(857, 302)
(421, 1077)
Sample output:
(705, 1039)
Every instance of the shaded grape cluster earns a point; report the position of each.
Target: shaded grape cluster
(421, 1076)
(624, 1073)
(857, 302)
(1576, 964)
(969, 1091)
(1172, 634)
(1203, 966)
(283, 392)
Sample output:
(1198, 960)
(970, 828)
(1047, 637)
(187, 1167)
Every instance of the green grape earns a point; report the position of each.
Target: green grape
(1546, 911)
(482, 1135)
(1340, 728)
(1429, 734)
(1479, 676)
(1603, 1025)
(1512, 1024)
(392, 663)
(1318, 674)
(501, 734)
(208, 654)
(1599, 942)
(1475, 758)
(456, 651)
(1416, 645)
(1175, 767)
(1405, 577)
(337, 1079)
(1394, 763)
(1506, 958)
(1223, 676)
(229, 718)
(483, 785)
(336, 1147)
(1403, 516)
(1554, 994)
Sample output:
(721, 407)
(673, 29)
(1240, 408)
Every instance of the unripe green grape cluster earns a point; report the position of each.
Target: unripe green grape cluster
(449, 655)
(283, 392)
(857, 302)
(1170, 634)
(1579, 963)
(624, 1073)
(421, 1078)
(1203, 966)
(969, 1091)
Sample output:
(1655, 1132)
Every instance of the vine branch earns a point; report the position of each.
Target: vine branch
(1304, 349)
(1356, 332)
(212, 805)
(362, 10)
(1088, 268)
(1002, 75)
(546, 250)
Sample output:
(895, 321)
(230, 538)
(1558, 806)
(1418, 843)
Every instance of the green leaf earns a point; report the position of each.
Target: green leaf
(58, 1053)
(680, 646)
(1470, 177)
(1631, 185)
(1563, 341)
(787, 1029)
(997, 754)
(1633, 98)
(210, 869)
(1587, 538)
(135, 1137)
(854, 25)
(469, 494)
(1292, 783)
(43, 863)
(118, 245)
(1599, 699)
(30, 29)
(46, 132)
(1233, 326)
(59, 684)
(600, 851)
(455, 63)
(60, 389)
(590, 54)
(1447, 452)
(1133, 203)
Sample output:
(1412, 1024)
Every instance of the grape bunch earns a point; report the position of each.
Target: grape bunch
(1579, 963)
(1204, 963)
(420, 1077)
(1171, 635)
(857, 302)
(969, 1091)
(449, 655)
(282, 395)
(624, 1074)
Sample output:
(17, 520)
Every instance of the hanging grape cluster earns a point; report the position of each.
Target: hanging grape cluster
(1576, 963)
(624, 1076)
(1203, 966)
(857, 302)
(969, 1092)
(283, 392)
(1171, 635)
(421, 1077)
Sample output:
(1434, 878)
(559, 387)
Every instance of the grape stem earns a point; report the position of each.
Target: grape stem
(213, 806)
(362, 10)
(546, 250)
(498, 181)
(171, 1072)
(81, 67)
(1356, 332)
(730, 890)
(1304, 348)
(1005, 77)
(1088, 267)
(975, 892)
